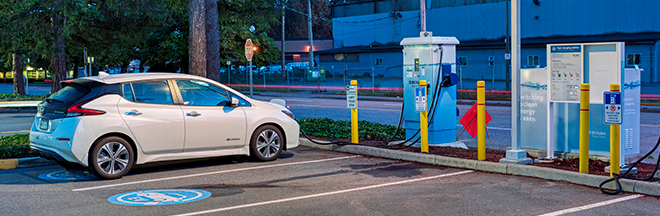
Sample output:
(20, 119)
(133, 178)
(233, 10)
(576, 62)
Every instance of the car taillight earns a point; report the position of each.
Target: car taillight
(77, 110)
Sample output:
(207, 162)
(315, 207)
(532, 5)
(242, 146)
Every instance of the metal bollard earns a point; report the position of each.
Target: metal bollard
(614, 141)
(481, 121)
(355, 138)
(584, 128)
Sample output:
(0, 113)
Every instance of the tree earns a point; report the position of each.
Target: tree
(296, 20)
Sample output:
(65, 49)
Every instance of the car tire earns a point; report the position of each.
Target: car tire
(266, 143)
(111, 158)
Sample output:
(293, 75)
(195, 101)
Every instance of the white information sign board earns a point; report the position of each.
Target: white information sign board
(420, 99)
(351, 97)
(566, 72)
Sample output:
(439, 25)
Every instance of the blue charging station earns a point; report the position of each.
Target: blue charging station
(432, 59)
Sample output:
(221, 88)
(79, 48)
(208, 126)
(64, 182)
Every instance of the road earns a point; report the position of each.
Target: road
(307, 181)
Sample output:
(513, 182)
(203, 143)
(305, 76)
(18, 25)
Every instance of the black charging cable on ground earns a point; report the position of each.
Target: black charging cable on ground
(616, 177)
(438, 89)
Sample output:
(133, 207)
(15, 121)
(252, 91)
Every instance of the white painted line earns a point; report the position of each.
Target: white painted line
(581, 208)
(494, 128)
(213, 173)
(322, 194)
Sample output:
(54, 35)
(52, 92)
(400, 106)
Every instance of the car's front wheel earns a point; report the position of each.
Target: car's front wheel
(266, 143)
(111, 158)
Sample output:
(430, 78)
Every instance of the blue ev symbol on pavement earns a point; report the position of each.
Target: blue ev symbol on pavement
(68, 175)
(159, 197)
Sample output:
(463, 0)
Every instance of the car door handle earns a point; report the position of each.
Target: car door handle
(133, 112)
(193, 114)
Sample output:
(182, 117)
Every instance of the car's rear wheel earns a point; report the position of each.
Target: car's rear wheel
(266, 143)
(111, 158)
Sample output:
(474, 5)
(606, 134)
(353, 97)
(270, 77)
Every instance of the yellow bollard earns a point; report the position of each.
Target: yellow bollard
(355, 138)
(423, 124)
(481, 121)
(584, 128)
(615, 138)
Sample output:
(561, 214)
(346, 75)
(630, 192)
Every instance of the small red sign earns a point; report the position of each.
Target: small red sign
(469, 120)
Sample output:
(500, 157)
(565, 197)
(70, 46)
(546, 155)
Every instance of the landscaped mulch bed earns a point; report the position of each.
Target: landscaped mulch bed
(596, 167)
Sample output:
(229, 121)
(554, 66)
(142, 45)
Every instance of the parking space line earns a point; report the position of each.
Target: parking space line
(322, 194)
(213, 173)
(604, 203)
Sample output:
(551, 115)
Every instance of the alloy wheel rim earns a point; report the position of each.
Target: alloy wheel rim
(268, 143)
(112, 158)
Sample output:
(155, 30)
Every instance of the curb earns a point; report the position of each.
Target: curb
(24, 162)
(628, 185)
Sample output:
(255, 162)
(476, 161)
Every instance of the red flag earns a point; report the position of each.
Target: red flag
(469, 120)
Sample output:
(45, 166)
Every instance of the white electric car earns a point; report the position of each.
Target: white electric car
(110, 122)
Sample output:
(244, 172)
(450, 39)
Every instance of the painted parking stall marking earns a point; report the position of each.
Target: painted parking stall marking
(159, 197)
(68, 175)
(582, 208)
(323, 194)
(213, 173)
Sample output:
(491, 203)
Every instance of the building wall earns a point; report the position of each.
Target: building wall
(474, 21)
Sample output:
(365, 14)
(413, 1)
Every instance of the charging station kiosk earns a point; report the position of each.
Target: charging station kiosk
(552, 103)
(432, 59)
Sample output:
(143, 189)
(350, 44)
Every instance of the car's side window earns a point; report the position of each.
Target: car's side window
(128, 92)
(152, 92)
(199, 93)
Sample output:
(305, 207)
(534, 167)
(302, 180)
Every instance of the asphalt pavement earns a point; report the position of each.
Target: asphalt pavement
(304, 181)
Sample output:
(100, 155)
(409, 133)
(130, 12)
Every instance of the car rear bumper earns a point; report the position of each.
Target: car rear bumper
(63, 142)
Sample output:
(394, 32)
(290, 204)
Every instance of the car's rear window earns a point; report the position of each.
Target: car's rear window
(68, 95)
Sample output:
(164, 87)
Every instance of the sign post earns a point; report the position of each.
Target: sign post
(351, 100)
(248, 54)
(613, 117)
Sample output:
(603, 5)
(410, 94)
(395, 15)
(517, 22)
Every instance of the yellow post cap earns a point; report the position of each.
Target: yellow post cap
(353, 82)
(614, 87)
(584, 86)
(422, 83)
(481, 84)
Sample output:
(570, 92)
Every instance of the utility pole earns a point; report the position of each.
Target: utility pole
(422, 14)
(310, 35)
(507, 65)
(283, 44)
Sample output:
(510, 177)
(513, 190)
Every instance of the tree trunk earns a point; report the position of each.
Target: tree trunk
(17, 68)
(75, 70)
(124, 68)
(204, 49)
(58, 60)
(141, 67)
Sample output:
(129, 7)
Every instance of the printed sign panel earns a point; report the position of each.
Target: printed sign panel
(420, 99)
(612, 104)
(565, 73)
(351, 97)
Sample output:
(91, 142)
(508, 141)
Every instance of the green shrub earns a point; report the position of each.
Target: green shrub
(17, 97)
(15, 146)
(325, 127)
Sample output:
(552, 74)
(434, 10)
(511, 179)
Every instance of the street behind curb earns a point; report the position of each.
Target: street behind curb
(648, 188)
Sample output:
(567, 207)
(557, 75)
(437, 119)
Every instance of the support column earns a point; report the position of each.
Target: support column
(515, 155)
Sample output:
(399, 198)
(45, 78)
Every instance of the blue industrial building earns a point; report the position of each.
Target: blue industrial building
(367, 33)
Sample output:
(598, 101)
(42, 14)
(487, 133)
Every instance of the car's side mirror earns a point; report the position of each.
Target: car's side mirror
(234, 101)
